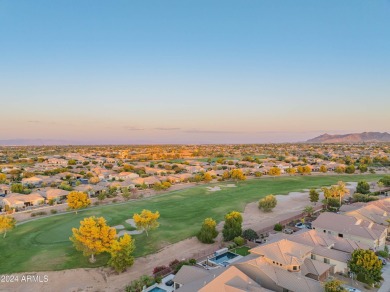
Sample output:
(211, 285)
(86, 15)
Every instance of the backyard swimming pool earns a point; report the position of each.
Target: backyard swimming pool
(157, 289)
(223, 259)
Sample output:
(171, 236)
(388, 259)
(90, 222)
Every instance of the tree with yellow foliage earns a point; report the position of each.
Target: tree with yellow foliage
(147, 220)
(291, 170)
(78, 200)
(6, 223)
(268, 203)
(93, 237)
(237, 175)
(366, 264)
(3, 178)
(121, 253)
(323, 169)
(207, 177)
(274, 171)
(208, 231)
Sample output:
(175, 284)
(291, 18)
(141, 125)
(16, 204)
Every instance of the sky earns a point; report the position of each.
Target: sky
(183, 71)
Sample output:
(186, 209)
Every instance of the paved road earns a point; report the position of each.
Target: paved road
(386, 275)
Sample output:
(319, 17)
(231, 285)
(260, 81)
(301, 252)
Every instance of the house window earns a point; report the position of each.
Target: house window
(295, 268)
(326, 261)
(341, 235)
(313, 257)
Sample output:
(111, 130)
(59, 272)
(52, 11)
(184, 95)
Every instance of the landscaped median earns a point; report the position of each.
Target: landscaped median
(44, 244)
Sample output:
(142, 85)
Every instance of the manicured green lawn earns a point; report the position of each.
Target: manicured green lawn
(243, 251)
(44, 244)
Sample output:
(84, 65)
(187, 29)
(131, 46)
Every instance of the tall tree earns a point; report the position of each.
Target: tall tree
(208, 231)
(6, 223)
(233, 225)
(93, 236)
(147, 220)
(78, 200)
(121, 253)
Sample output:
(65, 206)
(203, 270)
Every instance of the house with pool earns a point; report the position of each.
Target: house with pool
(278, 266)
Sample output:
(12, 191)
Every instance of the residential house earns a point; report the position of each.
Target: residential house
(123, 176)
(4, 190)
(371, 234)
(54, 194)
(19, 201)
(376, 212)
(33, 181)
(327, 248)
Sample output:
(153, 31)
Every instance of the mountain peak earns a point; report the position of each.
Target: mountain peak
(352, 138)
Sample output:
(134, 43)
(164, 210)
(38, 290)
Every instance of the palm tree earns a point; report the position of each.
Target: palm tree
(341, 190)
(309, 210)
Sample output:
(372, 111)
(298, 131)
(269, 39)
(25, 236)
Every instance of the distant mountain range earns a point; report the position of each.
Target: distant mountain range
(352, 138)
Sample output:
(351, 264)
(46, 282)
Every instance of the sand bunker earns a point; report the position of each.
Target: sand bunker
(134, 232)
(123, 232)
(213, 189)
(230, 186)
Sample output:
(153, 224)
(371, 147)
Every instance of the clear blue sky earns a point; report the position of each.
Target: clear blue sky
(193, 71)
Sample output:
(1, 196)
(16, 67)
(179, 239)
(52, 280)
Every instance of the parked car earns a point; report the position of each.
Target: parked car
(350, 289)
(169, 283)
(288, 231)
(308, 225)
(300, 225)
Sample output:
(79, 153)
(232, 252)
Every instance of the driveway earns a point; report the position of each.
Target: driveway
(386, 276)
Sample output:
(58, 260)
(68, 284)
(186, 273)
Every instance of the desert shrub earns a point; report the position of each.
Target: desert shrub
(40, 213)
(382, 253)
(192, 261)
(232, 245)
(160, 268)
(239, 240)
(174, 263)
(363, 198)
(53, 211)
(278, 227)
(250, 234)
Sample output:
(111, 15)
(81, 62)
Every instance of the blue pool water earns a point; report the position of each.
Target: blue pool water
(219, 259)
(157, 289)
